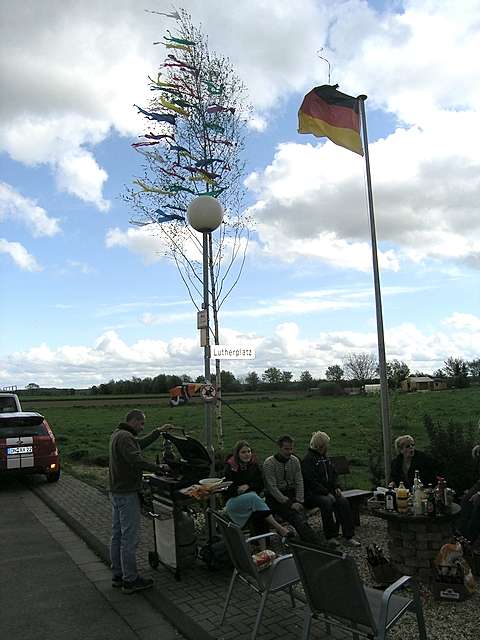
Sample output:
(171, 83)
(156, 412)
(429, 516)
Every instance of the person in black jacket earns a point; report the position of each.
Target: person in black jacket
(409, 460)
(244, 504)
(322, 489)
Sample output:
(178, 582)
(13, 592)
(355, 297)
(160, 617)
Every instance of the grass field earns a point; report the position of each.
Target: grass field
(83, 425)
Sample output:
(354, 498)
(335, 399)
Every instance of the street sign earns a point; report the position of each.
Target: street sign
(209, 393)
(232, 352)
(202, 319)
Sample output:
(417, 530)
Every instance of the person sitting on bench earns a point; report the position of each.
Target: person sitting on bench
(244, 504)
(322, 490)
(284, 488)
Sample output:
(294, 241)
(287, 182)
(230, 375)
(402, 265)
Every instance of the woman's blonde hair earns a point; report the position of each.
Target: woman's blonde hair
(318, 439)
(401, 441)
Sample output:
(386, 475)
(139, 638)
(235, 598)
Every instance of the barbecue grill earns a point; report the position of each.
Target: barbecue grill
(175, 540)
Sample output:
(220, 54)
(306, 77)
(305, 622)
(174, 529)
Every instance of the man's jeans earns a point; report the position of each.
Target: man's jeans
(330, 505)
(125, 534)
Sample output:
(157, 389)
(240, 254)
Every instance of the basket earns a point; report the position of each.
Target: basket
(375, 505)
(383, 574)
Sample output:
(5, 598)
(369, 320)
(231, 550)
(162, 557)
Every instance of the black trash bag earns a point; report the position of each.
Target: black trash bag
(215, 555)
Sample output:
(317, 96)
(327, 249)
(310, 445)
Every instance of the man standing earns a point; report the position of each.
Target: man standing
(125, 471)
(284, 488)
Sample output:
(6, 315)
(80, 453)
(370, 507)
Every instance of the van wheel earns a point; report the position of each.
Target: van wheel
(53, 477)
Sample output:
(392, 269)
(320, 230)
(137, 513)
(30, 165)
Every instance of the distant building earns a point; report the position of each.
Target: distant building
(372, 388)
(422, 383)
(352, 391)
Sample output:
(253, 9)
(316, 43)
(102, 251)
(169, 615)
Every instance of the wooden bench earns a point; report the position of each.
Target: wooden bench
(356, 497)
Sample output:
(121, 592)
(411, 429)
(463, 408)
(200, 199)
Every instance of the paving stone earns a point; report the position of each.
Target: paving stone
(198, 596)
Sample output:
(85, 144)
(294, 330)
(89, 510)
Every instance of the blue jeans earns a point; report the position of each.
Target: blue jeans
(125, 534)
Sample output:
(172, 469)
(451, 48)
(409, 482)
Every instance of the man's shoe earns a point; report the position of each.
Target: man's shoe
(139, 584)
(351, 542)
(117, 582)
(333, 542)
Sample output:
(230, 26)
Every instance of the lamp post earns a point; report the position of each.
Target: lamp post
(205, 214)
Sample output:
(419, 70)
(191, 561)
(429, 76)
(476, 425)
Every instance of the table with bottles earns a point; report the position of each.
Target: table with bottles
(414, 540)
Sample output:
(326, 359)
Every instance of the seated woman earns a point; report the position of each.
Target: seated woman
(409, 460)
(244, 505)
(322, 489)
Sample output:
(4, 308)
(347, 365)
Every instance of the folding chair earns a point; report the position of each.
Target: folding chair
(336, 595)
(280, 575)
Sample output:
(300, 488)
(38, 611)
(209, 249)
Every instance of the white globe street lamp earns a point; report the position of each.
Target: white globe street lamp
(205, 214)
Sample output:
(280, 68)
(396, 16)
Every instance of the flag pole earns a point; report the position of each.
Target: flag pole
(378, 303)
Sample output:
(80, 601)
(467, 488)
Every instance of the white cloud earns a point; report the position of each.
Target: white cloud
(285, 347)
(466, 321)
(82, 267)
(83, 66)
(310, 201)
(19, 255)
(17, 207)
(80, 175)
(149, 242)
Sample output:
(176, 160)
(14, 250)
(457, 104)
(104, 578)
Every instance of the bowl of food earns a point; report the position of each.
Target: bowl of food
(211, 482)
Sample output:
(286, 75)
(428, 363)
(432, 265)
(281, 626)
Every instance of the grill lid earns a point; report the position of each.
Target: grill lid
(191, 450)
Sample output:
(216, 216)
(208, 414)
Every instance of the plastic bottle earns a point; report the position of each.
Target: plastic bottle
(402, 498)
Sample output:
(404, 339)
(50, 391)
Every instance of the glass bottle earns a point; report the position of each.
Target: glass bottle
(402, 498)
(431, 506)
(390, 500)
(418, 500)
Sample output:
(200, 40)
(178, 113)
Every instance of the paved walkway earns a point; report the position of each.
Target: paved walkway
(194, 603)
(54, 586)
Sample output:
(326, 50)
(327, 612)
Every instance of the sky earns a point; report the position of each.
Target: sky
(86, 297)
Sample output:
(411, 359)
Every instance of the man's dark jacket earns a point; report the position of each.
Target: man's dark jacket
(319, 475)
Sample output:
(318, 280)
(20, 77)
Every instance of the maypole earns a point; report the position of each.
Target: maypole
(192, 147)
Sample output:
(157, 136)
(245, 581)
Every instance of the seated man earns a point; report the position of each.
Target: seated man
(284, 488)
(469, 525)
(323, 490)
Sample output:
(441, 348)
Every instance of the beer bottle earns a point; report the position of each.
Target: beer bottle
(402, 498)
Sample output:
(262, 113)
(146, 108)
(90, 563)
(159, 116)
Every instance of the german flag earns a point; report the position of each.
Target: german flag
(326, 112)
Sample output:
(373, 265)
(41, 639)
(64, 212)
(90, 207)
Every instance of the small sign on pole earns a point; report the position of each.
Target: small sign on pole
(202, 319)
(203, 337)
(232, 352)
(209, 393)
